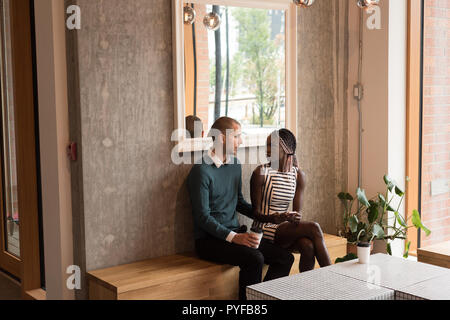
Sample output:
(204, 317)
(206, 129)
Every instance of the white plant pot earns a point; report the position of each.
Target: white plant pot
(364, 253)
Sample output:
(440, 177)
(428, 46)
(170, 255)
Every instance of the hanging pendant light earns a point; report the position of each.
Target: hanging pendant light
(212, 21)
(189, 15)
(365, 4)
(304, 3)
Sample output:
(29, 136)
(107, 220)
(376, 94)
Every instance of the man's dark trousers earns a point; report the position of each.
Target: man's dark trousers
(250, 261)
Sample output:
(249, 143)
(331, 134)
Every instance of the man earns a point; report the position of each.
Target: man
(215, 188)
(194, 126)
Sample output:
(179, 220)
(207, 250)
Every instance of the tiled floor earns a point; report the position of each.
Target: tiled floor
(9, 289)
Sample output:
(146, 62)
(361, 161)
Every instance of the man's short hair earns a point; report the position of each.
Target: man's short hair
(190, 126)
(223, 124)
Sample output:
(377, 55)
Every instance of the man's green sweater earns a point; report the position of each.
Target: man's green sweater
(216, 194)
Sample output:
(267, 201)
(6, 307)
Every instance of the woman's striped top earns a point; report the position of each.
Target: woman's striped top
(278, 192)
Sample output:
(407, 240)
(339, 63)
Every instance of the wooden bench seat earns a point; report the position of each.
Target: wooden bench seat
(438, 254)
(179, 277)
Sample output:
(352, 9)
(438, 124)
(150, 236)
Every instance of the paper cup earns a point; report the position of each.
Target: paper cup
(259, 235)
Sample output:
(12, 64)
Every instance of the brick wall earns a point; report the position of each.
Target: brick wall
(436, 121)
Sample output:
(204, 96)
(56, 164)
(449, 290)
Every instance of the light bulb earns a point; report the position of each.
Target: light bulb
(189, 15)
(304, 3)
(364, 4)
(212, 21)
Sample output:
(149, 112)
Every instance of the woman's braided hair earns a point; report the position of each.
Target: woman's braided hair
(289, 139)
(289, 143)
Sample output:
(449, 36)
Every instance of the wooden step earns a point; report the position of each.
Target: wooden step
(178, 277)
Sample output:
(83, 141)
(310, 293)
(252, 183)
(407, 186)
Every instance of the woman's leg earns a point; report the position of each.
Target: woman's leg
(288, 234)
(307, 254)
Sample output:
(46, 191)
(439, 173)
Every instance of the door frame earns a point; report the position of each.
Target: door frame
(28, 267)
(52, 79)
(414, 116)
(53, 119)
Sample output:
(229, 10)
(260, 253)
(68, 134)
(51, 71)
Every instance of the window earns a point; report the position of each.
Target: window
(428, 145)
(435, 133)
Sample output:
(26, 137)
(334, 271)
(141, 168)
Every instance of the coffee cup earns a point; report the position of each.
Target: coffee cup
(258, 233)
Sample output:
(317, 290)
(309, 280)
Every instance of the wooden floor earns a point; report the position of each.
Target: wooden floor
(9, 289)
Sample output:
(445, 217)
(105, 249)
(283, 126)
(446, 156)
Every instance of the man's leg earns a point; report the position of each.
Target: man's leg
(279, 260)
(250, 261)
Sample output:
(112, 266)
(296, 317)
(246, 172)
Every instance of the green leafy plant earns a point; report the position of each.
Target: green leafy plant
(363, 224)
(369, 222)
(350, 256)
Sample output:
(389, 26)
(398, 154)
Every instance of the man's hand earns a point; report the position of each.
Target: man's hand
(246, 239)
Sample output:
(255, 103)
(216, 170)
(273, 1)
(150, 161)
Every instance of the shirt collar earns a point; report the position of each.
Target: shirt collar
(216, 160)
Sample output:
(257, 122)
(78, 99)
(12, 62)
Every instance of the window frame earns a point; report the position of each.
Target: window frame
(414, 116)
(250, 140)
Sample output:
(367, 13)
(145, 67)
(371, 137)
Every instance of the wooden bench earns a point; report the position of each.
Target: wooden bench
(438, 254)
(179, 277)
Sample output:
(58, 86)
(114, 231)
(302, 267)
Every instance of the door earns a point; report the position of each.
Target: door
(19, 223)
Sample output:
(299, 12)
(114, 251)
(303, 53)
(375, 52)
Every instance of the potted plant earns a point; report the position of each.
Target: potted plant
(399, 227)
(363, 222)
(364, 246)
(371, 217)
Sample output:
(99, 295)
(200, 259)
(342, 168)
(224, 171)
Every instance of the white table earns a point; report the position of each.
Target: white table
(386, 277)
(433, 289)
(320, 284)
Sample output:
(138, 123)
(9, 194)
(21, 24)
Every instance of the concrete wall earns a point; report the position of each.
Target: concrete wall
(322, 111)
(130, 202)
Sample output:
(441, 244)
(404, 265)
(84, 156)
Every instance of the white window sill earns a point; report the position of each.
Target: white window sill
(202, 144)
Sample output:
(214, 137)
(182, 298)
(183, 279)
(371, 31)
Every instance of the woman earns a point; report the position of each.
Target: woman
(273, 187)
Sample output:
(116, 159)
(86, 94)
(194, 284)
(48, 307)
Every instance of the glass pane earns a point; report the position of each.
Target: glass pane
(237, 70)
(436, 124)
(9, 169)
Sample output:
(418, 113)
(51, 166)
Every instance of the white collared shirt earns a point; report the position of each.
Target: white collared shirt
(218, 163)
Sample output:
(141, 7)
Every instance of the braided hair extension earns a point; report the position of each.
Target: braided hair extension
(289, 144)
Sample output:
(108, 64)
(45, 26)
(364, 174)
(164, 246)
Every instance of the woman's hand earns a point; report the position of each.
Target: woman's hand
(279, 218)
(292, 217)
(295, 217)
